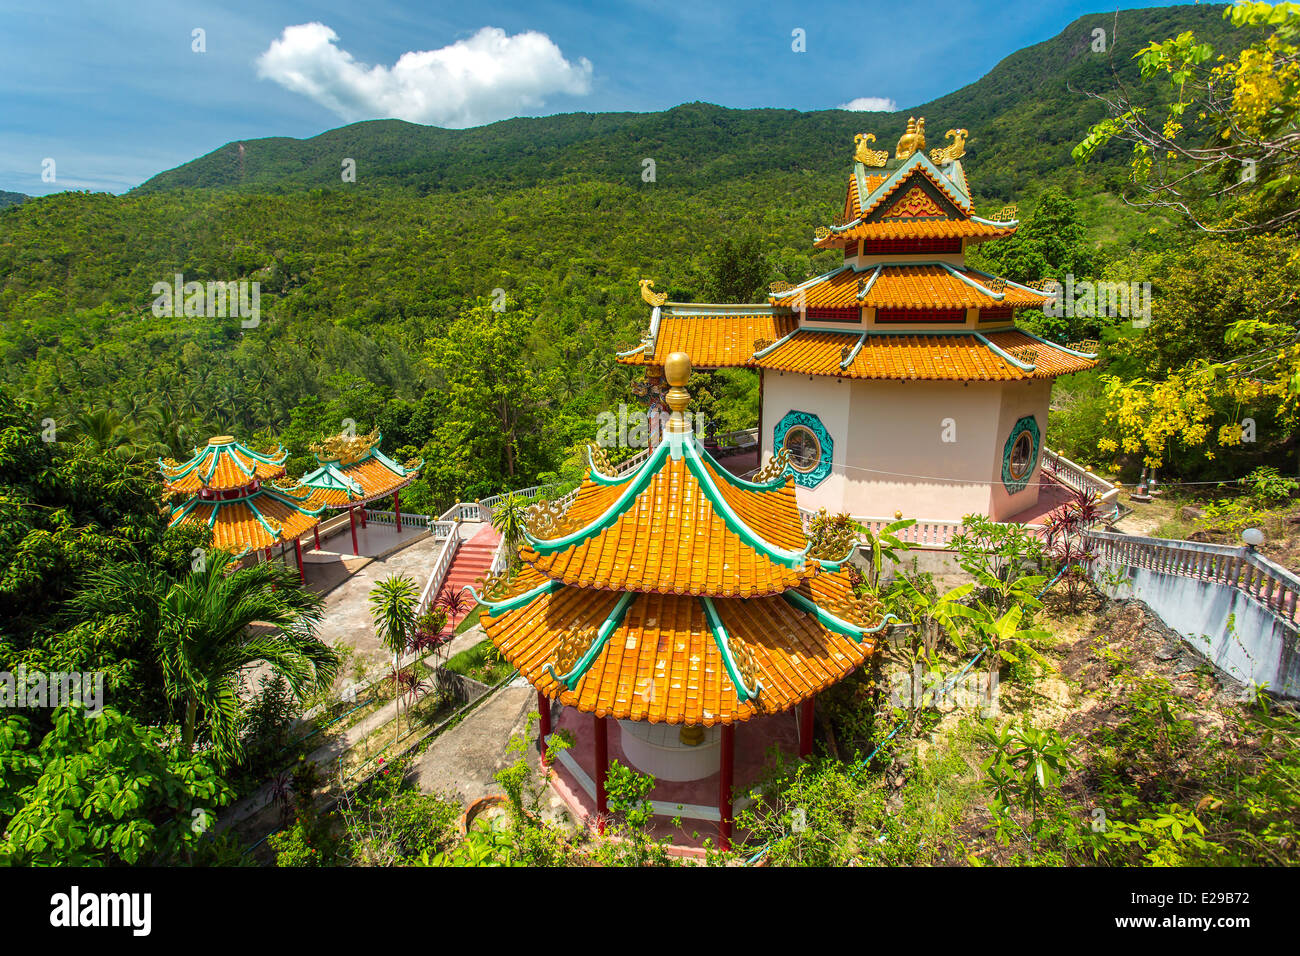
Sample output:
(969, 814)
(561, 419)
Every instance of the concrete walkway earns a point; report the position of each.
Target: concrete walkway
(347, 607)
(463, 761)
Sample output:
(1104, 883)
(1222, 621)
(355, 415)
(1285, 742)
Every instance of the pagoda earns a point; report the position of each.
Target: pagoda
(897, 382)
(673, 603)
(353, 471)
(242, 496)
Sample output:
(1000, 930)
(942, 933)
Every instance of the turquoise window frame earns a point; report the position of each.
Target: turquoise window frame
(792, 419)
(1029, 425)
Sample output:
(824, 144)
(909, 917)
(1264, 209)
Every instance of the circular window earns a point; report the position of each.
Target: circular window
(1022, 454)
(804, 449)
(808, 447)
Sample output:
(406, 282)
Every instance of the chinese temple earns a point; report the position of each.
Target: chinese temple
(660, 609)
(353, 472)
(897, 382)
(242, 496)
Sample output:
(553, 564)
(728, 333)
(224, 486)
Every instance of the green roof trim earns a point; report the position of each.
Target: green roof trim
(518, 601)
(830, 621)
(607, 628)
(723, 640)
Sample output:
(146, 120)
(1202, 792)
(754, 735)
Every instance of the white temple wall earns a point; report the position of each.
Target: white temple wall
(915, 446)
(1019, 399)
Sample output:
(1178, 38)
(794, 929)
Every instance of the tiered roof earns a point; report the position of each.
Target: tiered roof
(679, 592)
(263, 517)
(221, 465)
(905, 225)
(353, 471)
(241, 495)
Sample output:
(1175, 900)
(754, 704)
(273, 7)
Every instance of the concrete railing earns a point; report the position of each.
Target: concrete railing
(1079, 478)
(1238, 567)
(438, 574)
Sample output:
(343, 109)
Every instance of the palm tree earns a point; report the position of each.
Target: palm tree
(209, 625)
(510, 518)
(106, 431)
(392, 611)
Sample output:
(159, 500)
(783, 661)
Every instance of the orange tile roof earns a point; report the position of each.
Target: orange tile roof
(340, 485)
(907, 287)
(1050, 360)
(663, 664)
(957, 356)
(235, 524)
(917, 229)
(670, 538)
(221, 465)
(712, 340)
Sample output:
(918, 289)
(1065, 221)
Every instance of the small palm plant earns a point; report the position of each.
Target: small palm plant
(510, 519)
(1006, 640)
(209, 625)
(392, 612)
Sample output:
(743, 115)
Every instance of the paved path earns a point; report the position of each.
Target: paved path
(347, 608)
(462, 762)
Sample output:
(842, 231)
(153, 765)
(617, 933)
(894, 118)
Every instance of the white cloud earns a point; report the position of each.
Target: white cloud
(488, 77)
(870, 104)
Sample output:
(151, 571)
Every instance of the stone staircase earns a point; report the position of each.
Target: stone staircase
(472, 562)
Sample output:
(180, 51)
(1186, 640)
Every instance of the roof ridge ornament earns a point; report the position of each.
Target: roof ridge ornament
(955, 150)
(677, 370)
(651, 297)
(913, 140)
(864, 154)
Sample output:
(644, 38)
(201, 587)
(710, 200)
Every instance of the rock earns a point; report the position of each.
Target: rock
(1169, 651)
(1191, 513)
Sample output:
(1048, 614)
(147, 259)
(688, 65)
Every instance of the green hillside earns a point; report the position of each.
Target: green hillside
(1024, 116)
(364, 285)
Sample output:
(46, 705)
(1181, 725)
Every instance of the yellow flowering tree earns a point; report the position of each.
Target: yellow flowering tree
(1219, 143)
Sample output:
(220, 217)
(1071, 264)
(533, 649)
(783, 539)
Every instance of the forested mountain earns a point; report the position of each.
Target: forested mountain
(1024, 116)
(364, 285)
(10, 199)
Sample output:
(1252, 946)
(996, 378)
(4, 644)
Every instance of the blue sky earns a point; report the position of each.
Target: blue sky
(114, 92)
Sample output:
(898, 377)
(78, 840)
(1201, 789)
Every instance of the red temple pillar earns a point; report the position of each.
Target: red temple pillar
(363, 516)
(268, 554)
(602, 768)
(806, 727)
(352, 520)
(725, 773)
(316, 531)
(297, 550)
(397, 512)
(544, 724)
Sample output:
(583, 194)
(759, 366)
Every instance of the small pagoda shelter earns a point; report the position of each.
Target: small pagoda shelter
(353, 472)
(897, 381)
(674, 603)
(243, 497)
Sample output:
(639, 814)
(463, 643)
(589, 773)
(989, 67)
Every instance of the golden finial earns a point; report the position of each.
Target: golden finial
(653, 298)
(677, 370)
(913, 140)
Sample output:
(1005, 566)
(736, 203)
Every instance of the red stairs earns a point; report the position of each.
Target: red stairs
(471, 563)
